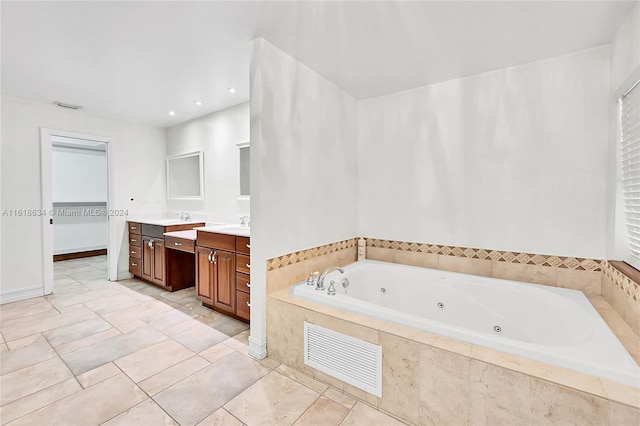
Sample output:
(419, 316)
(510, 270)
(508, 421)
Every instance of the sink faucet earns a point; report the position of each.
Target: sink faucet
(187, 217)
(320, 283)
(244, 221)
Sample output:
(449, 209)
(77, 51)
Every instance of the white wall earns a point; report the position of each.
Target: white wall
(514, 159)
(217, 135)
(625, 63)
(303, 166)
(79, 177)
(137, 153)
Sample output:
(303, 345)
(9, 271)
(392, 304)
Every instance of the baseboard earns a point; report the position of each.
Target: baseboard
(124, 275)
(79, 255)
(257, 349)
(21, 294)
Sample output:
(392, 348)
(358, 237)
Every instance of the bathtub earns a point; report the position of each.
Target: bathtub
(553, 325)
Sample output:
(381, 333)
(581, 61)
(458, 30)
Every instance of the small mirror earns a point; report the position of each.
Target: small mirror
(245, 169)
(185, 177)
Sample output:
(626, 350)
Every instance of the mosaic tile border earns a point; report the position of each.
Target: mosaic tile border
(574, 263)
(300, 256)
(622, 281)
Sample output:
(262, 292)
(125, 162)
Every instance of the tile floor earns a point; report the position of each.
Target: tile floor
(128, 353)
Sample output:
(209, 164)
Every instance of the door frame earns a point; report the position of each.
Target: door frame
(46, 167)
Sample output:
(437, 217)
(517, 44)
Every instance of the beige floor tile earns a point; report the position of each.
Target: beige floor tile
(77, 331)
(166, 319)
(37, 400)
(32, 379)
(195, 335)
(146, 413)
(91, 406)
(340, 397)
(220, 417)
(362, 414)
(25, 341)
(40, 307)
(128, 327)
(172, 375)
(269, 363)
(25, 356)
(3, 347)
(274, 399)
(39, 326)
(135, 312)
(194, 398)
(325, 412)
(102, 305)
(93, 356)
(87, 341)
(153, 359)
(216, 352)
(302, 378)
(98, 375)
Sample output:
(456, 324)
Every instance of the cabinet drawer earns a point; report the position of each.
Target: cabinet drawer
(135, 266)
(243, 245)
(135, 252)
(243, 282)
(155, 231)
(134, 228)
(213, 240)
(181, 244)
(135, 240)
(243, 307)
(243, 263)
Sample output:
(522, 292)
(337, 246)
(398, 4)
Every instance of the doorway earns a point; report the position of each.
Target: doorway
(76, 193)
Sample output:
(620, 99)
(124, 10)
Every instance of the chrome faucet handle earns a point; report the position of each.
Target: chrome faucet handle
(245, 221)
(312, 278)
(187, 216)
(345, 283)
(331, 291)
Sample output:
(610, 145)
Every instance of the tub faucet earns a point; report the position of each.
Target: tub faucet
(320, 283)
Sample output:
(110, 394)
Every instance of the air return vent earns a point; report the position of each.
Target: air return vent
(351, 360)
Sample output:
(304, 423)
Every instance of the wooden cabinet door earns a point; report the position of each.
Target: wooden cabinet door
(147, 258)
(158, 262)
(204, 275)
(224, 290)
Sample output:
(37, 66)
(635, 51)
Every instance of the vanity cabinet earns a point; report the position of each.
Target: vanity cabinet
(147, 254)
(219, 284)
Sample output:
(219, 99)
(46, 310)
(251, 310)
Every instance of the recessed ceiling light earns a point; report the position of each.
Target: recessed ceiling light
(197, 102)
(172, 113)
(231, 90)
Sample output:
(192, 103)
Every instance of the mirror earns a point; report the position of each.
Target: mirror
(185, 177)
(245, 169)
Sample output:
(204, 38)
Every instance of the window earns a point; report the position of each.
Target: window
(629, 116)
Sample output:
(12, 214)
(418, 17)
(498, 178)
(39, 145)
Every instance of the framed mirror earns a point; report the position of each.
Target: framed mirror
(185, 179)
(245, 169)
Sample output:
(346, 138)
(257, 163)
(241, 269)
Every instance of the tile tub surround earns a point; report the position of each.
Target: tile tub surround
(623, 294)
(430, 379)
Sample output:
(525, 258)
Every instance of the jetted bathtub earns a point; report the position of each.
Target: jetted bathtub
(554, 325)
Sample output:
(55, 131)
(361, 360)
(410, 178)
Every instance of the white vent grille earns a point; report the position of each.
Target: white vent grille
(351, 360)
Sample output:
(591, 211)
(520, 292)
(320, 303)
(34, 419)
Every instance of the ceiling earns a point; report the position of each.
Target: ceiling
(136, 61)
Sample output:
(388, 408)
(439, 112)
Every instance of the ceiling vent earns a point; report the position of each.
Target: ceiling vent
(68, 106)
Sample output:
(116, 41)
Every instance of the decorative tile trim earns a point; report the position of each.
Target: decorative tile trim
(621, 281)
(300, 256)
(575, 263)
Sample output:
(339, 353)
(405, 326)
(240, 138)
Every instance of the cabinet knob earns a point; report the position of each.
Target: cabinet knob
(134, 264)
(248, 265)
(177, 244)
(134, 252)
(248, 285)
(214, 257)
(134, 227)
(248, 304)
(248, 246)
(134, 240)
(209, 256)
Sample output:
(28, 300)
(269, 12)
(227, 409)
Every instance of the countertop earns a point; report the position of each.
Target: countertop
(227, 229)
(163, 222)
(187, 235)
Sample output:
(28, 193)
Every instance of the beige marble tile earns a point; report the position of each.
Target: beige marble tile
(216, 352)
(87, 341)
(285, 332)
(146, 413)
(400, 377)
(323, 411)
(353, 329)
(195, 335)
(16, 315)
(37, 400)
(98, 375)
(269, 363)
(153, 359)
(136, 312)
(624, 394)
(453, 345)
(91, 406)
(81, 298)
(424, 260)
(220, 417)
(32, 379)
(525, 273)
(443, 387)
(105, 305)
(557, 405)
(622, 415)
(172, 375)
(410, 333)
(360, 394)
(362, 414)
(25, 341)
(38, 325)
(93, 356)
(585, 281)
(128, 327)
(340, 397)
(25, 356)
(302, 378)
(166, 319)
(497, 395)
(3, 347)
(77, 331)
(465, 265)
(265, 402)
(194, 398)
